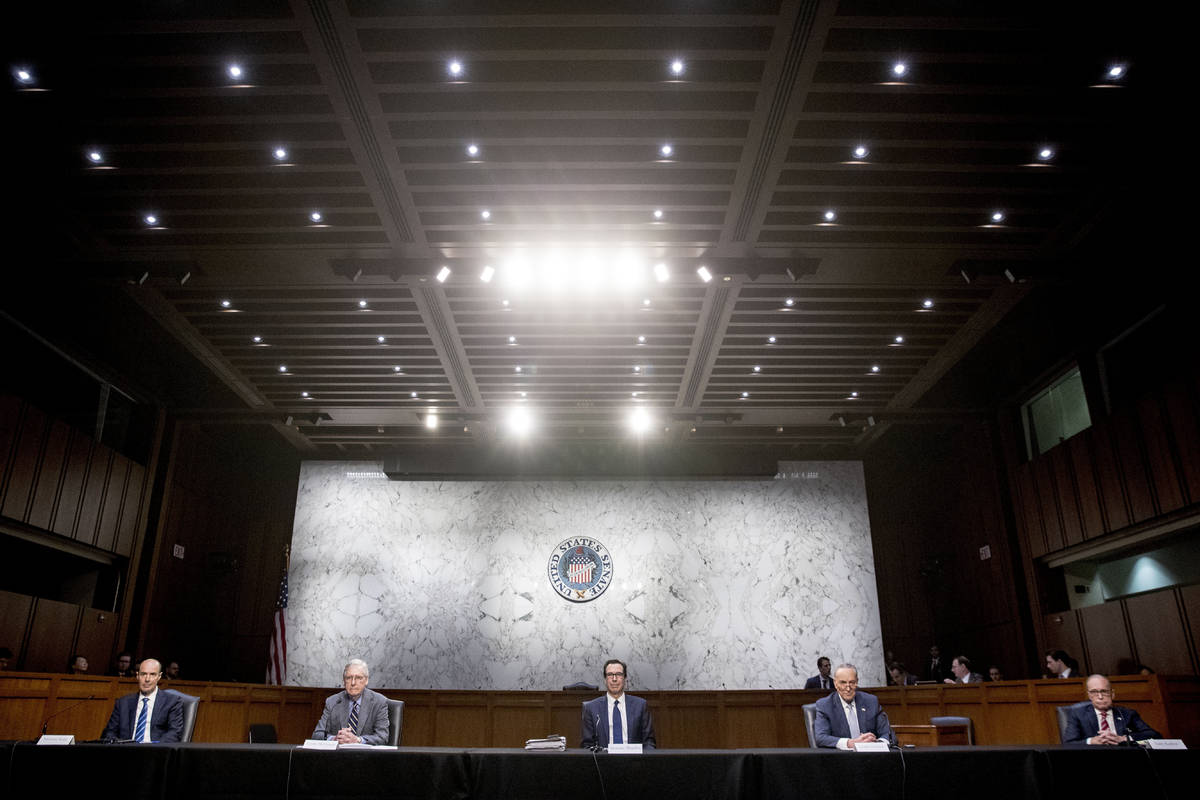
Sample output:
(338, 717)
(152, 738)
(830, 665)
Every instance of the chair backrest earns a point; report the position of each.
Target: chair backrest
(263, 733)
(810, 722)
(957, 721)
(1063, 713)
(191, 705)
(395, 721)
(581, 685)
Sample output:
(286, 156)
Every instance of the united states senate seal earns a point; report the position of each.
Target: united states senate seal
(580, 569)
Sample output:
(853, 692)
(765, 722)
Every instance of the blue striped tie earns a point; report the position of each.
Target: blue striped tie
(353, 725)
(140, 733)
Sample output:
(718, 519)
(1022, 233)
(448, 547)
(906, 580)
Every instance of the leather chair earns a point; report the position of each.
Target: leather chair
(191, 705)
(263, 733)
(395, 721)
(581, 686)
(1063, 713)
(957, 721)
(810, 723)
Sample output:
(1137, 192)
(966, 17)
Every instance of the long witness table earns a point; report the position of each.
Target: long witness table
(157, 772)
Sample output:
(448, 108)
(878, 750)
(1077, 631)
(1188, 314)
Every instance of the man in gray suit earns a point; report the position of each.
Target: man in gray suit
(356, 715)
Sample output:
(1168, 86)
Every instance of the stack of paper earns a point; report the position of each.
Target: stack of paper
(549, 743)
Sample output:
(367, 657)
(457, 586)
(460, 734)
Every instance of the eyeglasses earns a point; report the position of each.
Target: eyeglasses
(148, 674)
(353, 678)
(614, 675)
(1100, 692)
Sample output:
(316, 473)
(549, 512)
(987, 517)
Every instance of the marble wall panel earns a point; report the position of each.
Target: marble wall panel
(716, 584)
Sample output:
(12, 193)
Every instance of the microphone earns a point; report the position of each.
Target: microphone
(596, 746)
(46, 722)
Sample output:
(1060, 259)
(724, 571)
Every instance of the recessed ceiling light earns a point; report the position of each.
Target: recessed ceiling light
(517, 368)
(279, 154)
(1045, 154)
(704, 274)
(519, 421)
(1116, 71)
(431, 421)
(472, 150)
(874, 368)
(95, 156)
(443, 273)
(24, 75)
(927, 303)
(660, 273)
(899, 69)
(666, 150)
(830, 215)
(398, 369)
(678, 67)
(641, 339)
(485, 215)
(757, 368)
(898, 340)
(381, 339)
(745, 395)
(304, 394)
(640, 421)
(997, 217)
(226, 303)
(637, 368)
(789, 302)
(256, 339)
(413, 395)
(854, 394)
(455, 68)
(150, 219)
(283, 367)
(504, 303)
(235, 71)
(633, 394)
(316, 216)
(770, 340)
(362, 303)
(658, 213)
(512, 340)
(861, 152)
(645, 302)
(523, 395)
(487, 273)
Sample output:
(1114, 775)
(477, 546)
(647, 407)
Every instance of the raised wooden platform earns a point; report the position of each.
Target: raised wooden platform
(1011, 712)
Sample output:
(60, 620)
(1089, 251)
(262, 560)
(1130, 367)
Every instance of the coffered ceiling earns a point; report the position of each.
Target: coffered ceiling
(844, 282)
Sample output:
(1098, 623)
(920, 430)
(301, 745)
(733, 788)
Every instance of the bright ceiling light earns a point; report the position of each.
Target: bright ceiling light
(512, 340)
(226, 303)
(95, 156)
(789, 302)
(997, 217)
(861, 152)
(235, 71)
(150, 219)
(830, 215)
(455, 68)
(874, 368)
(305, 395)
(23, 75)
(362, 303)
(279, 153)
(519, 421)
(640, 421)
(678, 67)
(660, 273)
(1045, 154)
(443, 273)
(316, 216)
(399, 370)
(487, 274)
(898, 340)
(485, 215)
(641, 339)
(899, 69)
(256, 339)
(927, 303)
(666, 150)
(1116, 71)
(283, 367)
(381, 339)
(431, 421)
(770, 340)
(472, 150)
(658, 213)
(757, 368)
(704, 274)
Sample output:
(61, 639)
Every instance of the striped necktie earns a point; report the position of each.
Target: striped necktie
(618, 735)
(140, 733)
(353, 725)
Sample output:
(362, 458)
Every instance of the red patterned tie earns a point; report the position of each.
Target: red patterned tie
(1104, 722)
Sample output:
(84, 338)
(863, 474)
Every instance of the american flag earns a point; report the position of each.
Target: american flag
(277, 667)
(579, 568)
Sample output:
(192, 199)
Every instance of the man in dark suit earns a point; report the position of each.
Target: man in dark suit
(961, 667)
(849, 717)
(1100, 722)
(937, 668)
(900, 675)
(356, 715)
(822, 680)
(616, 718)
(147, 715)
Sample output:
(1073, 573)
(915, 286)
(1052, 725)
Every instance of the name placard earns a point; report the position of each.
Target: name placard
(1166, 744)
(57, 738)
(625, 748)
(871, 747)
(320, 744)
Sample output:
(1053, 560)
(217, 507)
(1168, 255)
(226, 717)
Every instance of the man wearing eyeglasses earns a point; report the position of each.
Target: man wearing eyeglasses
(1100, 722)
(147, 715)
(356, 715)
(616, 718)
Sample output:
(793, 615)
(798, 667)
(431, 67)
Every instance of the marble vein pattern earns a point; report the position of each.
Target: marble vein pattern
(717, 584)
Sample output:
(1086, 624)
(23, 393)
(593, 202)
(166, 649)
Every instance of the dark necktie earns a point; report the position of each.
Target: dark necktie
(353, 724)
(618, 733)
(140, 733)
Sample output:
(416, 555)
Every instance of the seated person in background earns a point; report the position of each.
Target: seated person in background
(961, 667)
(822, 679)
(6, 656)
(356, 715)
(616, 718)
(146, 715)
(172, 670)
(123, 666)
(937, 670)
(1102, 722)
(994, 674)
(900, 676)
(1059, 664)
(78, 665)
(849, 717)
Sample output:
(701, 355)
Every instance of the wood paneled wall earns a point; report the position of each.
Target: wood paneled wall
(1012, 712)
(57, 479)
(44, 633)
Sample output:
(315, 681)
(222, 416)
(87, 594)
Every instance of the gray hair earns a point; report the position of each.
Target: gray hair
(847, 666)
(357, 662)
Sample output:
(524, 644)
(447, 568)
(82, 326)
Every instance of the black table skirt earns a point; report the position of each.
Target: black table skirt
(265, 772)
